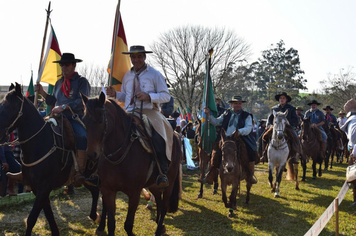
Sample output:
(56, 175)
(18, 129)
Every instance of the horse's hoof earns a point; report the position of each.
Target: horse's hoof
(163, 231)
(296, 188)
(276, 195)
(230, 215)
(200, 195)
(215, 191)
(314, 177)
(99, 232)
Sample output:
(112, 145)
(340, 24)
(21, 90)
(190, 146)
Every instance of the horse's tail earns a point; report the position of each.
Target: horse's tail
(291, 173)
(176, 192)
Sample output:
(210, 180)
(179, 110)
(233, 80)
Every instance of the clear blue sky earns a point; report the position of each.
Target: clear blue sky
(321, 30)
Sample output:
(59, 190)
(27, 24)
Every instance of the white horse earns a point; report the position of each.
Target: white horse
(278, 152)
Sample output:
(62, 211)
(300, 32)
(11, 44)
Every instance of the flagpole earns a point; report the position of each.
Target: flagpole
(43, 45)
(114, 41)
(207, 126)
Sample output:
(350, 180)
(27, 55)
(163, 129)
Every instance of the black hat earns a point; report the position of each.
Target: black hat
(313, 102)
(283, 94)
(68, 58)
(262, 121)
(236, 98)
(328, 107)
(137, 49)
(175, 114)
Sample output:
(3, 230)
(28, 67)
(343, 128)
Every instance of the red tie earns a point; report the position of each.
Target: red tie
(65, 88)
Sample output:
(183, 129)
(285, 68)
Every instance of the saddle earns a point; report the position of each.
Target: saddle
(63, 131)
(143, 130)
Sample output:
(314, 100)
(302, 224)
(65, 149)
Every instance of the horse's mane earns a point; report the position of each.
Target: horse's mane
(123, 116)
(315, 130)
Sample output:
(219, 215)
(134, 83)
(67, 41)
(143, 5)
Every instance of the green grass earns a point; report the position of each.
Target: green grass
(291, 214)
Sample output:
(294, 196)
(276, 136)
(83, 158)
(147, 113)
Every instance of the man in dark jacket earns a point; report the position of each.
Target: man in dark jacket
(234, 119)
(292, 118)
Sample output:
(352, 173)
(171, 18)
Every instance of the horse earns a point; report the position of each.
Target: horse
(341, 153)
(46, 163)
(311, 139)
(204, 162)
(234, 168)
(124, 164)
(278, 152)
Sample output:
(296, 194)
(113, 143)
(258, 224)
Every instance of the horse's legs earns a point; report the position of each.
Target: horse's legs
(101, 226)
(304, 165)
(248, 188)
(279, 172)
(314, 169)
(134, 199)
(202, 167)
(295, 167)
(49, 216)
(270, 174)
(216, 184)
(223, 192)
(35, 211)
(94, 204)
(109, 198)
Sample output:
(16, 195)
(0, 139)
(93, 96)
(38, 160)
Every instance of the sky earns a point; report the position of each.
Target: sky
(323, 31)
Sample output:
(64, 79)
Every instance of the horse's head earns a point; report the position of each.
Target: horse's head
(11, 109)
(229, 152)
(95, 121)
(280, 121)
(305, 127)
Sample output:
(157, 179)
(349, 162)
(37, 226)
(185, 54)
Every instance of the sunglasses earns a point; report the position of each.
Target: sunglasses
(64, 64)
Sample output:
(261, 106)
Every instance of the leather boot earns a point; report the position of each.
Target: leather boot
(82, 161)
(15, 176)
(162, 179)
(252, 171)
(11, 188)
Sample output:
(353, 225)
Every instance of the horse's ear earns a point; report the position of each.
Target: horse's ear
(84, 98)
(102, 98)
(274, 113)
(286, 112)
(12, 86)
(18, 90)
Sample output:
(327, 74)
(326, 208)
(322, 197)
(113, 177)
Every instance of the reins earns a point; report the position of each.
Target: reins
(276, 143)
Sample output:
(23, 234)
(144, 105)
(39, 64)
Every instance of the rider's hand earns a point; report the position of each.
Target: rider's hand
(5, 166)
(207, 111)
(110, 91)
(143, 96)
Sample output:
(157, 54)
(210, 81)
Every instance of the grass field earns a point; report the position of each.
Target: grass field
(291, 214)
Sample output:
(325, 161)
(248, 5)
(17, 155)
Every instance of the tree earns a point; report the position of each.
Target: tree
(96, 76)
(181, 54)
(339, 88)
(279, 70)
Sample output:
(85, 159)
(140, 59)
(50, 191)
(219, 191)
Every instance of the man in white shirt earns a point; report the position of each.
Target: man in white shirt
(341, 120)
(144, 88)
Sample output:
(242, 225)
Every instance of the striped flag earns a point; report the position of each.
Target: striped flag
(50, 72)
(121, 63)
(208, 131)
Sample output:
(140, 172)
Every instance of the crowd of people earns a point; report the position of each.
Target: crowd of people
(145, 89)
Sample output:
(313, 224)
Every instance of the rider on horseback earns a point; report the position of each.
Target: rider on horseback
(331, 119)
(234, 119)
(317, 119)
(143, 89)
(290, 129)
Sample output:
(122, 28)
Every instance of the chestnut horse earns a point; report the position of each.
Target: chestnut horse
(124, 165)
(204, 162)
(234, 168)
(46, 163)
(311, 144)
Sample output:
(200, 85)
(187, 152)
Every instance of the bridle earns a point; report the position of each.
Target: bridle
(277, 143)
(127, 135)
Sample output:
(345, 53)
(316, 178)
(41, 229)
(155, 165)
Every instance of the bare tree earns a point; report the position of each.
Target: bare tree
(97, 77)
(181, 54)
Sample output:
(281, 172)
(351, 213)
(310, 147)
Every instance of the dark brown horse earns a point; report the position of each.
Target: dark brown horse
(234, 168)
(124, 165)
(204, 162)
(46, 163)
(311, 143)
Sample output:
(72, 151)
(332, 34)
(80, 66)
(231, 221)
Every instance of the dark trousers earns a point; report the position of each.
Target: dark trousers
(160, 147)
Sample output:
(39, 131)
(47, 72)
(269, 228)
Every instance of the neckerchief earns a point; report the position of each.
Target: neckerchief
(136, 83)
(65, 88)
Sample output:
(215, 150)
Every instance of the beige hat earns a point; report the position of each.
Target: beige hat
(350, 105)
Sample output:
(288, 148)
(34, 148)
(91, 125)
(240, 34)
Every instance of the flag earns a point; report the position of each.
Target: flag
(189, 115)
(121, 63)
(180, 113)
(50, 72)
(208, 131)
(30, 89)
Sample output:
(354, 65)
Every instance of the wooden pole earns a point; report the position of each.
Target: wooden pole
(42, 51)
(337, 216)
(116, 29)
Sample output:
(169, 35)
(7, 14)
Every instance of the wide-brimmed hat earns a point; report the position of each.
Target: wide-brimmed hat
(313, 102)
(262, 121)
(341, 112)
(175, 114)
(328, 107)
(236, 98)
(137, 49)
(68, 58)
(299, 108)
(217, 97)
(283, 94)
(350, 105)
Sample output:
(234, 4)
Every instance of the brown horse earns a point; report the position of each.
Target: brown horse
(234, 168)
(311, 144)
(204, 162)
(124, 165)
